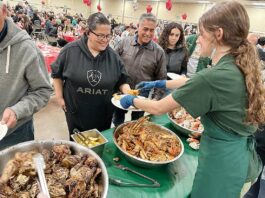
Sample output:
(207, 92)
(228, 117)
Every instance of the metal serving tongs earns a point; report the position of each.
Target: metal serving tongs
(39, 166)
(119, 182)
(80, 136)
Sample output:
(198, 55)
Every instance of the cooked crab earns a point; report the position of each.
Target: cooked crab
(134, 92)
(147, 141)
(185, 120)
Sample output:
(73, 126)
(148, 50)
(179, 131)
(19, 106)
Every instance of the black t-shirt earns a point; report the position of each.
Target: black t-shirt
(89, 83)
(176, 60)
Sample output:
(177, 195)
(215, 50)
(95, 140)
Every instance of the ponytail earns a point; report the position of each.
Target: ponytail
(247, 60)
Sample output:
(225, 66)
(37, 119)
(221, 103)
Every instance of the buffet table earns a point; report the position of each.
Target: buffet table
(175, 179)
(70, 38)
(50, 54)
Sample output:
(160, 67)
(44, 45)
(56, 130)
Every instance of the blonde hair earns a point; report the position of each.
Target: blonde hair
(232, 17)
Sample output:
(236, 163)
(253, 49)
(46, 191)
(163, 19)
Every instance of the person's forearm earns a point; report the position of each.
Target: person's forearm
(160, 107)
(124, 88)
(174, 84)
(58, 87)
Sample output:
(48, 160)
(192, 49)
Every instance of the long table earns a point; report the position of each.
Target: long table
(175, 179)
(50, 54)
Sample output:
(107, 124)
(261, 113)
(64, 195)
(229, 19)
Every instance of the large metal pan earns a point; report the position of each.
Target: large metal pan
(9, 153)
(141, 162)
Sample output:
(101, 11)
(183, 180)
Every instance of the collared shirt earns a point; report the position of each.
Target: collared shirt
(142, 62)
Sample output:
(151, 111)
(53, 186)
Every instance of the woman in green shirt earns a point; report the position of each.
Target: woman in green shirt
(229, 98)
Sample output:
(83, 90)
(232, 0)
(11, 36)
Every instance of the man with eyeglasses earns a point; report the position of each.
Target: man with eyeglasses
(86, 74)
(144, 60)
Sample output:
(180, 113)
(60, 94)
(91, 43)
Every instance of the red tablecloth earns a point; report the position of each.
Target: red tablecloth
(69, 38)
(50, 54)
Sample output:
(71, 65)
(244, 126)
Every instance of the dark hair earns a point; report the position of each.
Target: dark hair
(232, 17)
(20, 11)
(97, 19)
(51, 18)
(163, 39)
(26, 22)
(261, 41)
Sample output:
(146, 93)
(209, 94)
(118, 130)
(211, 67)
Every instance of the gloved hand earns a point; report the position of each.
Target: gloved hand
(127, 101)
(146, 86)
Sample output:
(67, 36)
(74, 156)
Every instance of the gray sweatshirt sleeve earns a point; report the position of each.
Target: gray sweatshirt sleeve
(39, 90)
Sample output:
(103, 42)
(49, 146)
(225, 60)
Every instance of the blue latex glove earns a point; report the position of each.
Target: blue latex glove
(146, 86)
(127, 101)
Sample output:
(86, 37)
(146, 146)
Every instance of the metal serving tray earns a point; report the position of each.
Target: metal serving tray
(95, 134)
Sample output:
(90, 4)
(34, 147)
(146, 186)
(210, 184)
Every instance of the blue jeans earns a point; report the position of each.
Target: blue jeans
(22, 134)
(257, 190)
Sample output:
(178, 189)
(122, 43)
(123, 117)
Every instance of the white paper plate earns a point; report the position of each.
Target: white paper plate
(3, 130)
(118, 104)
(173, 76)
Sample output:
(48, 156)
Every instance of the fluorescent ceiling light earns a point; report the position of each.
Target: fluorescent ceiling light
(203, 1)
(258, 4)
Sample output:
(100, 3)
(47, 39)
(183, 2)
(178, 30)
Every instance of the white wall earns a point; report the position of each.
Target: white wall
(115, 7)
(257, 17)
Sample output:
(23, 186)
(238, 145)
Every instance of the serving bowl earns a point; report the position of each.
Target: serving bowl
(143, 162)
(38, 146)
(186, 127)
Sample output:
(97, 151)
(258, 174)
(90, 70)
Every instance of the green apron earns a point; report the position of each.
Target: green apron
(226, 161)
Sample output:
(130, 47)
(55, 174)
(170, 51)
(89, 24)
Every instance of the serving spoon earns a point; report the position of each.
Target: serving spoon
(39, 166)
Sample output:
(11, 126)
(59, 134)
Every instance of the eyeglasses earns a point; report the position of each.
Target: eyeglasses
(102, 36)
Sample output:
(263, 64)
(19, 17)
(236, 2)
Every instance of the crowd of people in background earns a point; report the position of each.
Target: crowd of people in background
(133, 53)
(51, 25)
(177, 40)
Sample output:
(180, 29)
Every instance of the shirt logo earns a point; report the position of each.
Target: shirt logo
(93, 77)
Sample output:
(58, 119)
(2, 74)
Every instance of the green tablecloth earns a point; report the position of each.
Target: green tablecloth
(175, 179)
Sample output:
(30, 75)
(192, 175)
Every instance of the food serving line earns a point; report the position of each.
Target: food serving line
(126, 179)
(175, 179)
